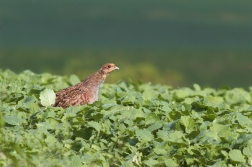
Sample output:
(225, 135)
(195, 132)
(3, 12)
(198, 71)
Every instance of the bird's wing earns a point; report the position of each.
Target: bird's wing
(73, 95)
(71, 91)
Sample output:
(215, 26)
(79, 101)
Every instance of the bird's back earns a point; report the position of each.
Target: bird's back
(76, 95)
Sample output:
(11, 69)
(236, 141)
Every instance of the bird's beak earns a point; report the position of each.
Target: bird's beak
(116, 68)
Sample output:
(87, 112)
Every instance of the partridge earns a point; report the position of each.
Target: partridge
(85, 92)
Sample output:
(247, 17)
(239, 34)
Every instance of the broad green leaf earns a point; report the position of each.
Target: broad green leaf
(166, 108)
(214, 101)
(28, 100)
(52, 122)
(75, 160)
(155, 126)
(219, 164)
(136, 113)
(128, 98)
(170, 162)
(71, 111)
(161, 148)
(33, 108)
(95, 125)
(190, 161)
(183, 93)
(196, 87)
(150, 95)
(176, 137)
(14, 120)
(162, 134)
(248, 151)
(243, 120)
(188, 122)
(50, 139)
(236, 156)
(47, 97)
(122, 128)
(45, 125)
(144, 134)
(150, 162)
(220, 130)
(74, 79)
(237, 96)
(151, 118)
(249, 108)
(127, 164)
(107, 126)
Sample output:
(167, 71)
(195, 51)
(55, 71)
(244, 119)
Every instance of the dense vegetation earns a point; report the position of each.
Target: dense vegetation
(131, 125)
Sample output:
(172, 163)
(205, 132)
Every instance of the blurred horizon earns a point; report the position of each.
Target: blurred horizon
(170, 42)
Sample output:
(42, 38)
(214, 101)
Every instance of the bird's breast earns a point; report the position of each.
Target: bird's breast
(94, 96)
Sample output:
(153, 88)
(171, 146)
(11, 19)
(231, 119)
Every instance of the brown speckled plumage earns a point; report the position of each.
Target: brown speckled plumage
(85, 91)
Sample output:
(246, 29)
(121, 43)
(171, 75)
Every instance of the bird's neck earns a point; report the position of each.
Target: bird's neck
(103, 74)
(95, 79)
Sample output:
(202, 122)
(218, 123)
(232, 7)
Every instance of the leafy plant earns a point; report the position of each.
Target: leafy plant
(130, 125)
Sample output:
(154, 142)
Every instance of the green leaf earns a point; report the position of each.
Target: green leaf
(150, 95)
(75, 160)
(188, 122)
(248, 151)
(176, 137)
(214, 101)
(71, 111)
(170, 162)
(162, 134)
(237, 96)
(127, 164)
(1, 120)
(122, 128)
(243, 120)
(144, 134)
(151, 118)
(220, 130)
(236, 156)
(196, 87)
(47, 97)
(95, 125)
(13, 120)
(52, 122)
(155, 126)
(161, 147)
(219, 164)
(183, 93)
(150, 162)
(44, 125)
(74, 79)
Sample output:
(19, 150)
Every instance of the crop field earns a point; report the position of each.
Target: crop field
(131, 125)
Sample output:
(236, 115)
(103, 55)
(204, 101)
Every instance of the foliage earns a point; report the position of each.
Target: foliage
(130, 125)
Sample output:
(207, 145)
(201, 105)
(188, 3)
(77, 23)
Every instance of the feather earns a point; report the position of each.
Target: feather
(85, 92)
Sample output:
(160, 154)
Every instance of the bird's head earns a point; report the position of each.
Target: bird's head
(108, 68)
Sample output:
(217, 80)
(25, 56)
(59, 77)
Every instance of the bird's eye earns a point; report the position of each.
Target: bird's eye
(109, 66)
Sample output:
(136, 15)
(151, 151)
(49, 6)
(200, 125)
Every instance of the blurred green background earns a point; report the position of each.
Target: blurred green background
(169, 42)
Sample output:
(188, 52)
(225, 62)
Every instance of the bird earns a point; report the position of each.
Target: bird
(85, 92)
